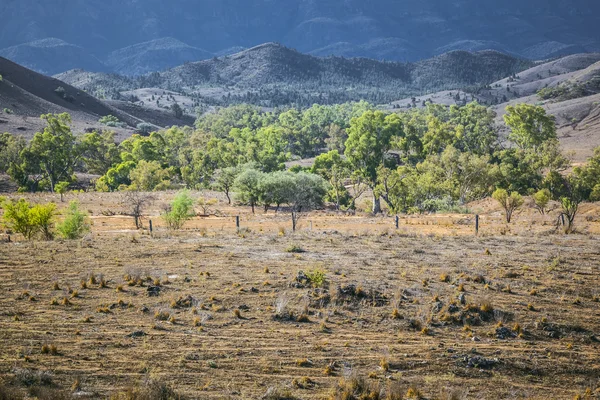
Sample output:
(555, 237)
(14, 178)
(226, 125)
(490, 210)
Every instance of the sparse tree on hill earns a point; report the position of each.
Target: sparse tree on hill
(530, 126)
(509, 202)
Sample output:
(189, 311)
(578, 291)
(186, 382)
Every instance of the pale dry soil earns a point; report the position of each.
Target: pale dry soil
(543, 287)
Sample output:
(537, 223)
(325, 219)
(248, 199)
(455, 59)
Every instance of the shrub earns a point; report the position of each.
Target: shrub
(316, 277)
(509, 202)
(8, 111)
(41, 216)
(179, 211)
(112, 121)
(206, 205)
(541, 200)
(151, 390)
(75, 224)
(21, 217)
(294, 249)
(144, 128)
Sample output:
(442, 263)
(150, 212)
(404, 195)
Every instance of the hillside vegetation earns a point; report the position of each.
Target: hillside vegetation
(272, 75)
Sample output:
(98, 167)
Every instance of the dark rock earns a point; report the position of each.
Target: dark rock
(137, 334)
(505, 333)
(153, 290)
(480, 362)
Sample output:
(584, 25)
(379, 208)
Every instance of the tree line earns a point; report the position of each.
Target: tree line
(421, 160)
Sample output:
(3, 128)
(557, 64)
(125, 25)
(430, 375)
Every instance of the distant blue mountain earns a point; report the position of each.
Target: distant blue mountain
(127, 35)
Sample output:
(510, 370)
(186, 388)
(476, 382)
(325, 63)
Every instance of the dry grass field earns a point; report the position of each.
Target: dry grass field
(350, 309)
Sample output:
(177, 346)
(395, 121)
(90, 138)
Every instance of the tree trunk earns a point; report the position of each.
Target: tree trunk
(252, 204)
(228, 198)
(294, 220)
(376, 205)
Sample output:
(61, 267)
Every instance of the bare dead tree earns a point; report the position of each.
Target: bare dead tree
(136, 203)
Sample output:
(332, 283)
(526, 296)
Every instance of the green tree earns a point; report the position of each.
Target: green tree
(335, 170)
(177, 110)
(180, 210)
(529, 125)
(509, 202)
(61, 188)
(247, 187)
(369, 139)
(116, 177)
(75, 224)
(274, 188)
(306, 193)
(575, 191)
(541, 199)
(99, 152)
(54, 150)
(148, 175)
(224, 181)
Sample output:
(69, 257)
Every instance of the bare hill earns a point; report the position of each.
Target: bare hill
(25, 95)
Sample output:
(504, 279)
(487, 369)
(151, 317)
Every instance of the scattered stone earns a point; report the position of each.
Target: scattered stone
(137, 334)
(480, 362)
(153, 291)
(476, 339)
(462, 299)
(505, 333)
(301, 281)
(254, 290)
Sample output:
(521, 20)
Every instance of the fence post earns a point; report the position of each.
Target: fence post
(477, 224)
(237, 222)
(150, 225)
(397, 221)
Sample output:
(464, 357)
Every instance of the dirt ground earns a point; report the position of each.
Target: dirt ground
(429, 307)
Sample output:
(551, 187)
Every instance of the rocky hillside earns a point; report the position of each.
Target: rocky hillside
(272, 75)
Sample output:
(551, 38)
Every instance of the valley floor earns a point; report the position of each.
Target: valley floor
(511, 313)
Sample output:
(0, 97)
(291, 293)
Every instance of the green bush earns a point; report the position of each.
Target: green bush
(180, 210)
(21, 217)
(75, 224)
(112, 121)
(316, 277)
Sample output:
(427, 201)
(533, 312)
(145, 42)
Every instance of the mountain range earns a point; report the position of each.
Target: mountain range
(273, 75)
(133, 37)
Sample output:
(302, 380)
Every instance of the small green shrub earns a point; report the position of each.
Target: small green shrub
(21, 217)
(179, 211)
(112, 121)
(294, 249)
(75, 224)
(316, 277)
(8, 111)
(144, 128)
